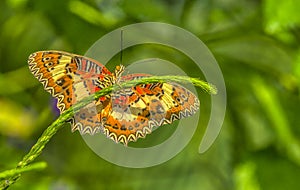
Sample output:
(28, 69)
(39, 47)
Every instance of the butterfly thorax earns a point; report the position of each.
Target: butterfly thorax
(105, 81)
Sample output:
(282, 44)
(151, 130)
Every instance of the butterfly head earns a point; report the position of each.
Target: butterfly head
(118, 72)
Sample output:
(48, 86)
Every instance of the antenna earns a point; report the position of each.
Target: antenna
(121, 53)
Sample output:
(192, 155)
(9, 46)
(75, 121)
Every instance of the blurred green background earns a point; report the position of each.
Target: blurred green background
(256, 44)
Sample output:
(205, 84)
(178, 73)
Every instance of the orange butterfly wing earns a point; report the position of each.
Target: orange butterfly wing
(69, 78)
(134, 112)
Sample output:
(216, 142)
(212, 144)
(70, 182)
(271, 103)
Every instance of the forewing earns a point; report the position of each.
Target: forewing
(69, 78)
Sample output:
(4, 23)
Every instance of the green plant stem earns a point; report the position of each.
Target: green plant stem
(38, 147)
(16, 171)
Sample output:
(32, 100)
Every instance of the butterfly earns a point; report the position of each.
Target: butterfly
(124, 115)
